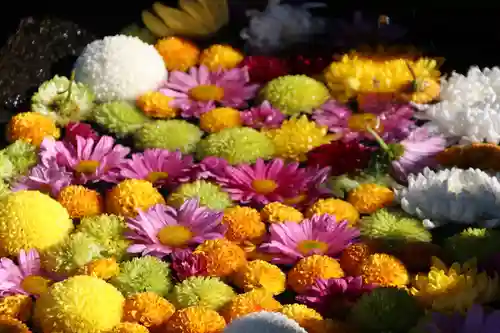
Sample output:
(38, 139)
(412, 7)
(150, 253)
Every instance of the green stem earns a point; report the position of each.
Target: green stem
(379, 140)
(71, 80)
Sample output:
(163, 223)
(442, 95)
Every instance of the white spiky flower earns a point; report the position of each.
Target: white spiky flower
(452, 196)
(264, 322)
(469, 107)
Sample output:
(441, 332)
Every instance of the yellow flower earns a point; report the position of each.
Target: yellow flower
(147, 309)
(16, 306)
(105, 268)
(384, 270)
(368, 198)
(178, 54)
(220, 56)
(223, 257)
(342, 210)
(218, 119)
(127, 327)
(130, 195)
(353, 256)
(31, 127)
(243, 224)
(306, 317)
(250, 302)
(260, 274)
(195, 319)
(276, 212)
(80, 201)
(455, 288)
(157, 105)
(305, 273)
(12, 325)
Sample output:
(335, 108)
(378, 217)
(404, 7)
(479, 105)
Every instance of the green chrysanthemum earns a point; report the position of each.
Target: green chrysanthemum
(142, 275)
(388, 310)
(293, 94)
(6, 167)
(393, 228)
(209, 292)
(169, 134)
(143, 34)
(119, 117)
(108, 231)
(472, 243)
(62, 101)
(208, 193)
(21, 157)
(4, 188)
(236, 145)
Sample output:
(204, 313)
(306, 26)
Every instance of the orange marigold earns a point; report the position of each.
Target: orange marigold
(243, 224)
(178, 54)
(353, 256)
(342, 210)
(195, 319)
(368, 198)
(306, 317)
(260, 274)
(16, 306)
(80, 201)
(305, 273)
(147, 309)
(32, 127)
(130, 195)
(157, 105)
(485, 156)
(276, 212)
(104, 268)
(12, 325)
(250, 302)
(222, 256)
(384, 270)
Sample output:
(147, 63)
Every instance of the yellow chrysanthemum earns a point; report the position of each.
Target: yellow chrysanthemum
(147, 309)
(260, 274)
(218, 119)
(243, 224)
(104, 269)
(131, 195)
(16, 306)
(276, 212)
(157, 105)
(80, 201)
(195, 319)
(223, 257)
(384, 270)
(297, 136)
(178, 54)
(368, 198)
(305, 273)
(253, 301)
(484, 156)
(353, 256)
(455, 288)
(306, 317)
(342, 210)
(12, 325)
(221, 57)
(129, 328)
(32, 127)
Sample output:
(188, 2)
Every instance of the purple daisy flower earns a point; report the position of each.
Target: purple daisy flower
(211, 168)
(187, 264)
(477, 320)
(262, 116)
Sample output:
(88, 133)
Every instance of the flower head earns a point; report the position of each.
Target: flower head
(195, 319)
(217, 119)
(368, 198)
(13, 325)
(178, 54)
(161, 229)
(263, 116)
(17, 306)
(220, 56)
(244, 224)
(484, 156)
(159, 166)
(223, 257)
(259, 274)
(476, 320)
(309, 269)
(80, 201)
(276, 212)
(342, 210)
(384, 270)
(186, 264)
(209, 195)
(148, 309)
(211, 168)
(132, 195)
(32, 127)
(75, 129)
(200, 90)
(156, 105)
(253, 301)
(353, 256)
(321, 234)
(263, 69)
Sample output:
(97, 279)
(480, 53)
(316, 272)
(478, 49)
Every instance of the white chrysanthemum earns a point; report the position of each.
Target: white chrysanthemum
(120, 68)
(469, 107)
(281, 25)
(452, 196)
(264, 322)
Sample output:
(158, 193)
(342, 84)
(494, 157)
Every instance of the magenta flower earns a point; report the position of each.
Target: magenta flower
(263, 116)
(72, 130)
(392, 121)
(200, 90)
(314, 189)
(187, 264)
(90, 160)
(418, 152)
(159, 166)
(263, 182)
(26, 278)
(211, 168)
(162, 230)
(321, 234)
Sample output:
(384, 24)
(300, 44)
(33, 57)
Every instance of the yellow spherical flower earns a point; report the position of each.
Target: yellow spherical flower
(353, 256)
(342, 210)
(178, 54)
(305, 273)
(32, 127)
(129, 328)
(218, 119)
(104, 269)
(16, 306)
(296, 137)
(276, 212)
(243, 224)
(221, 57)
(222, 256)
(157, 105)
(80, 201)
(368, 198)
(131, 195)
(12, 325)
(384, 270)
(260, 274)
(306, 317)
(253, 301)
(455, 288)
(147, 309)
(195, 319)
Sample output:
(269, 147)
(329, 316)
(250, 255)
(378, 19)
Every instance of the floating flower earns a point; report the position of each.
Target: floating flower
(263, 116)
(187, 264)
(342, 210)
(259, 274)
(147, 309)
(159, 166)
(130, 196)
(178, 54)
(384, 270)
(309, 269)
(156, 105)
(217, 119)
(199, 90)
(195, 319)
(26, 278)
(222, 256)
(321, 234)
(263, 69)
(31, 127)
(73, 130)
(219, 56)
(276, 212)
(253, 301)
(476, 320)
(121, 118)
(244, 224)
(484, 156)
(161, 229)
(368, 198)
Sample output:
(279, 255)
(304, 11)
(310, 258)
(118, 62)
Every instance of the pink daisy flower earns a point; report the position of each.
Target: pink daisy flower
(159, 166)
(321, 234)
(90, 160)
(162, 230)
(211, 168)
(72, 130)
(201, 90)
(187, 264)
(25, 278)
(263, 182)
(392, 121)
(315, 188)
(263, 116)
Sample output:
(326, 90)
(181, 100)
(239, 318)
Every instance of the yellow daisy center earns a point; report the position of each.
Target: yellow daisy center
(87, 166)
(206, 92)
(305, 247)
(175, 236)
(359, 122)
(35, 284)
(264, 186)
(155, 176)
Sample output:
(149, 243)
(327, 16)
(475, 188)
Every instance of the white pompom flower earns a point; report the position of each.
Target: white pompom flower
(264, 322)
(452, 196)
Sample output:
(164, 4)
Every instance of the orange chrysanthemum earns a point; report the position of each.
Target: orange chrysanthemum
(222, 256)
(276, 212)
(104, 268)
(250, 302)
(243, 224)
(80, 201)
(260, 274)
(147, 309)
(157, 105)
(129, 328)
(368, 198)
(16, 306)
(309, 269)
(384, 270)
(342, 210)
(353, 256)
(12, 325)
(32, 127)
(220, 56)
(178, 54)
(485, 156)
(306, 317)
(130, 195)
(195, 319)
